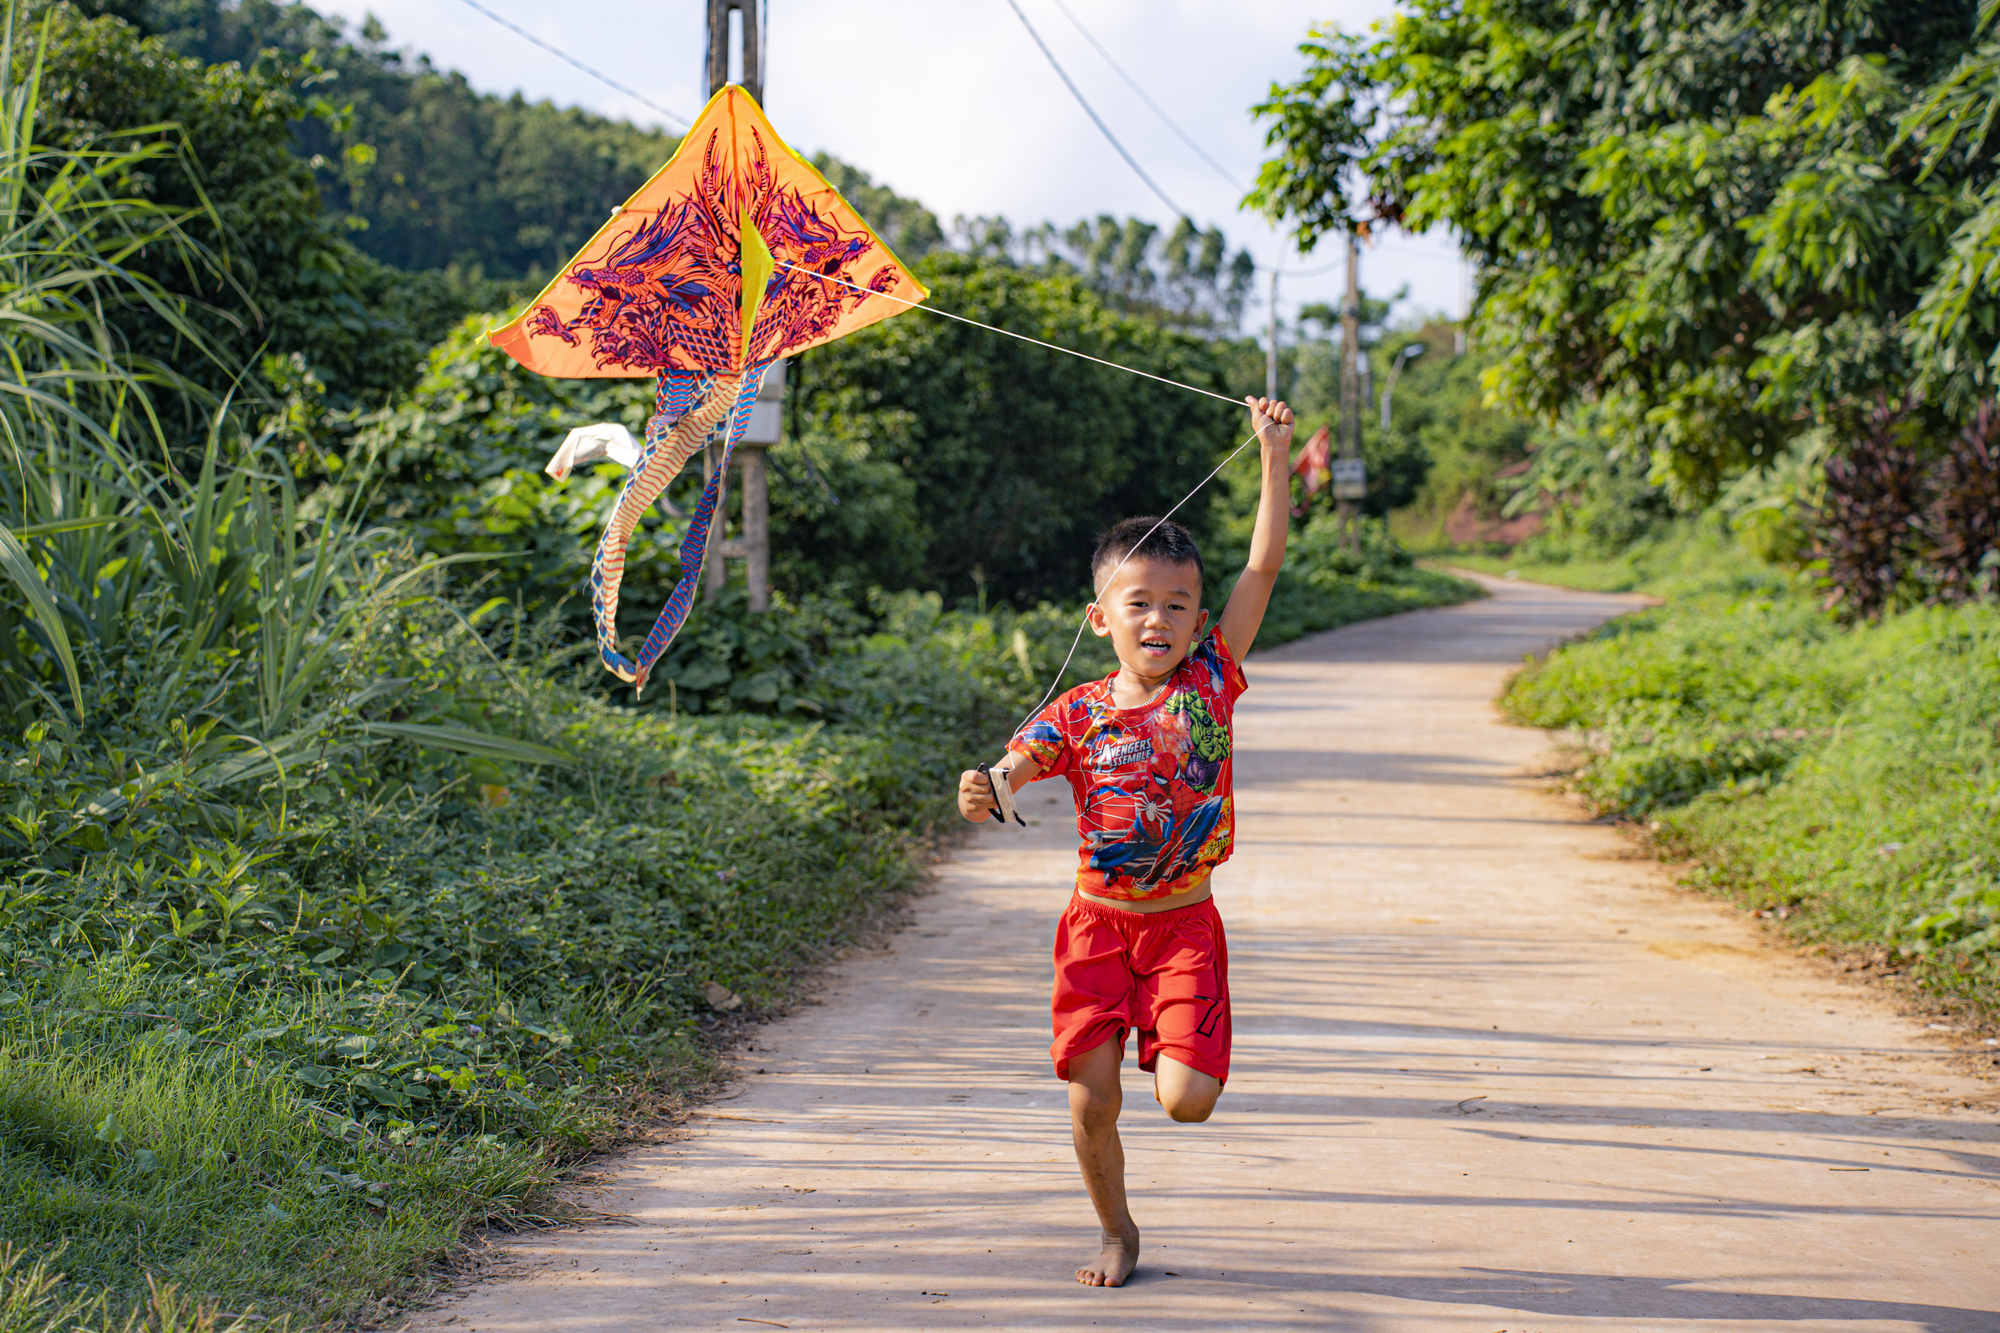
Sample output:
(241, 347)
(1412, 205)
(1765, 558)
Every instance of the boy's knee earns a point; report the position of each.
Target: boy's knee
(1189, 1107)
(1094, 1106)
(1187, 1094)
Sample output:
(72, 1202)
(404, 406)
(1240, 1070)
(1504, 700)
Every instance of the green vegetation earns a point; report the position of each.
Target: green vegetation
(276, 277)
(1726, 253)
(340, 904)
(1842, 778)
(1725, 241)
(1035, 474)
(1328, 583)
(1734, 267)
(1675, 558)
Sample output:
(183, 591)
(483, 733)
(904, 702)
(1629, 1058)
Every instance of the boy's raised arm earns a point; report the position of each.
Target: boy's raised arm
(1245, 612)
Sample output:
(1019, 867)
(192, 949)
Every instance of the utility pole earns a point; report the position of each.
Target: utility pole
(718, 47)
(1271, 353)
(1350, 479)
(1464, 305)
(753, 548)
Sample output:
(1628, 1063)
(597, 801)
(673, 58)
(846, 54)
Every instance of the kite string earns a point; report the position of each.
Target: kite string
(1062, 670)
(1085, 356)
(1066, 351)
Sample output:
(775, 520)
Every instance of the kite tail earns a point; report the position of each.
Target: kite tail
(669, 445)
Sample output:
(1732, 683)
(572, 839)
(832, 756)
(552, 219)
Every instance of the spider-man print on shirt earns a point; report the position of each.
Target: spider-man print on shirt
(1152, 784)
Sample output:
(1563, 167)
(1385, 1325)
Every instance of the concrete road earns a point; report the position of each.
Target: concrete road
(1492, 1072)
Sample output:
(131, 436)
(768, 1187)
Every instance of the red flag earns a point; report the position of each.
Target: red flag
(1315, 464)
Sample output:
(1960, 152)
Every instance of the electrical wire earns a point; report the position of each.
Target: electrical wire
(1301, 272)
(1008, 333)
(1160, 379)
(1132, 83)
(561, 54)
(1185, 138)
(1098, 120)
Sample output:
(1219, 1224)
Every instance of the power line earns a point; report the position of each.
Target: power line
(1131, 83)
(1075, 92)
(1006, 333)
(561, 54)
(1418, 254)
(1302, 272)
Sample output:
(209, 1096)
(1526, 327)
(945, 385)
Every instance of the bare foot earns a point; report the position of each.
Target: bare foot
(1114, 1263)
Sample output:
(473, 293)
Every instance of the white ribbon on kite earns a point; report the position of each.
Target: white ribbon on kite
(596, 443)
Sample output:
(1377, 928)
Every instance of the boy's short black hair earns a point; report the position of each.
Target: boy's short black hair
(1148, 538)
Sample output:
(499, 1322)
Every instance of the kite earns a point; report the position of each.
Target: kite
(735, 254)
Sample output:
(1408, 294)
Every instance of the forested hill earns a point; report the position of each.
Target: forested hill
(431, 174)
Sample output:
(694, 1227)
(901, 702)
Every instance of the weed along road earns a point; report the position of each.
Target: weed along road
(1491, 1072)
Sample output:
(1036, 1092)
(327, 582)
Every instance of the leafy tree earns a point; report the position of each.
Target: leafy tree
(1186, 279)
(290, 281)
(1020, 455)
(1701, 216)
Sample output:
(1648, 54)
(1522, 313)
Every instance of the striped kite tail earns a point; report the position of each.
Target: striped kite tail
(668, 448)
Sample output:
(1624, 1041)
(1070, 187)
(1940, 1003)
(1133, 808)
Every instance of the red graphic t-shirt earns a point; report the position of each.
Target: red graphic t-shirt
(1152, 784)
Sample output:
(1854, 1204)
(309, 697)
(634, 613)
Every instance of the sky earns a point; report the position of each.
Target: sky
(953, 104)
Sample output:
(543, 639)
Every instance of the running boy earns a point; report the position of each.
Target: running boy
(1147, 753)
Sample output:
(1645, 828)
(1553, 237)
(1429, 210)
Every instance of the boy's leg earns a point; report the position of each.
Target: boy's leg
(1187, 1093)
(1182, 1012)
(1094, 1098)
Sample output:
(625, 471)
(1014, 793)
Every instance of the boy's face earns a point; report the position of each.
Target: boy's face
(1151, 612)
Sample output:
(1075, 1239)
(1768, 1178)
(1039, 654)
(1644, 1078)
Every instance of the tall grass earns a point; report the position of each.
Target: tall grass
(113, 553)
(189, 676)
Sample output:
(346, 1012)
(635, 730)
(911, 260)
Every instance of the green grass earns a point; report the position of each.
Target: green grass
(276, 1045)
(1842, 777)
(137, 1146)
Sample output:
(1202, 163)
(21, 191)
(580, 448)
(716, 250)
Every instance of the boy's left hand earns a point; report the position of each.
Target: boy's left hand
(1272, 421)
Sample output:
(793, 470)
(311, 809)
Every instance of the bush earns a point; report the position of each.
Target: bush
(439, 968)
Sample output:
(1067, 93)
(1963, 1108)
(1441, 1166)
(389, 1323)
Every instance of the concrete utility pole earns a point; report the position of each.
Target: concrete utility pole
(1271, 353)
(1464, 305)
(753, 548)
(1350, 482)
(718, 47)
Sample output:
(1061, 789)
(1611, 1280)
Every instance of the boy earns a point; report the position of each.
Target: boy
(1147, 752)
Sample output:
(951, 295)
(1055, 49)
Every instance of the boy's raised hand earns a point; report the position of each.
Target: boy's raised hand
(1272, 420)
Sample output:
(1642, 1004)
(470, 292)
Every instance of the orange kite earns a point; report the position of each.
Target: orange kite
(735, 254)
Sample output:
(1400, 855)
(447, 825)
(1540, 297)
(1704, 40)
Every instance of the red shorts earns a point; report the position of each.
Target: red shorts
(1164, 973)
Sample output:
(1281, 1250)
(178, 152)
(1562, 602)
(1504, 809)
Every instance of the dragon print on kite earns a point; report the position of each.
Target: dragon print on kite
(667, 295)
(735, 254)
